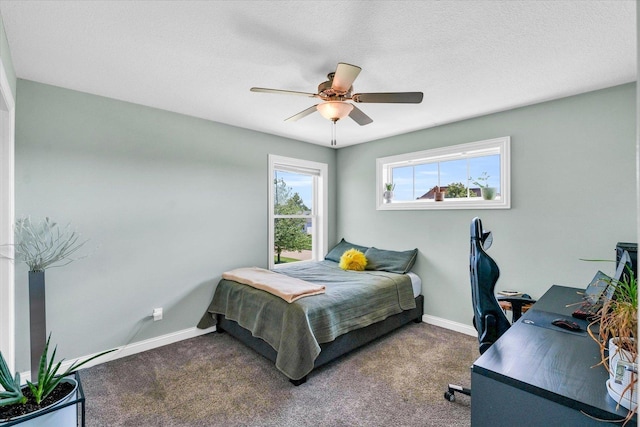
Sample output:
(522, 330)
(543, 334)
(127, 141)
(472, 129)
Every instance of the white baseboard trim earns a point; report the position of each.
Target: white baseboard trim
(449, 324)
(130, 349)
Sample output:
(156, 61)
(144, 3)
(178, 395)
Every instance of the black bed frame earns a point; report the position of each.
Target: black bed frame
(331, 350)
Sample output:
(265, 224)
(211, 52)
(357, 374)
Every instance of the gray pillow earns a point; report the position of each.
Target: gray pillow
(391, 261)
(337, 251)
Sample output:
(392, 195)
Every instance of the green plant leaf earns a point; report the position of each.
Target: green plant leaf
(12, 393)
(48, 377)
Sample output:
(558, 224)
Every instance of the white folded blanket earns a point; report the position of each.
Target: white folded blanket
(285, 287)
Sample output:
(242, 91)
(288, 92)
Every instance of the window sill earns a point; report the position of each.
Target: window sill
(445, 204)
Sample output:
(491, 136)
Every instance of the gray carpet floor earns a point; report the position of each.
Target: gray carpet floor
(214, 380)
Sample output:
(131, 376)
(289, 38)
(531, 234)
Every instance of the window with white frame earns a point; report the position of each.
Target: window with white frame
(297, 210)
(466, 176)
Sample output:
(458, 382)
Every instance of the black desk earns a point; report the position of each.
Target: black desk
(540, 375)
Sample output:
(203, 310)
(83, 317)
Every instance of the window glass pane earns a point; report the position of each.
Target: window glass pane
(414, 182)
(293, 239)
(293, 193)
(426, 179)
(485, 166)
(453, 171)
(453, 178)
(402, 177)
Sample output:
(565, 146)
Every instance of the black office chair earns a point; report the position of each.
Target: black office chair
(488, 317)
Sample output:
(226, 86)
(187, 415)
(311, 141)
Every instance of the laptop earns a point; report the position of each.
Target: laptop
(601, 289)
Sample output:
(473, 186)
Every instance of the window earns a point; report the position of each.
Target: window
(297, 210)
(467, 176)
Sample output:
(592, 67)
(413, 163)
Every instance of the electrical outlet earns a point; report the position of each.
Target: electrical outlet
(157, 314)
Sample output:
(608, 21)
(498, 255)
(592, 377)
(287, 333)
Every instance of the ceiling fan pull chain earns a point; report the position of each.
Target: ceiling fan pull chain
(333, 133)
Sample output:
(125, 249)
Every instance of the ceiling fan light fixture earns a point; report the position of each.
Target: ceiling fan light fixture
(334, 110)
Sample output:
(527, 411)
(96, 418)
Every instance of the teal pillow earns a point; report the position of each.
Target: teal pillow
(391, 261)
(337, 251)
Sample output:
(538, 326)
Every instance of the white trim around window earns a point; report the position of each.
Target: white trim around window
(500, 147)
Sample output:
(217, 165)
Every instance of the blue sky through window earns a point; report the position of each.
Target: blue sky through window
(414, 181)
(299, 183)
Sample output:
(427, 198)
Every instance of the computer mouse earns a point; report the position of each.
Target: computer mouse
(566, 324)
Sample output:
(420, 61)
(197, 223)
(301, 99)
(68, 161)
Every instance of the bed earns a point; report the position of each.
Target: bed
(355, 308)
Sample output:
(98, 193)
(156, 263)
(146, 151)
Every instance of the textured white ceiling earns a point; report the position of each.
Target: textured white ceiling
(200, 58)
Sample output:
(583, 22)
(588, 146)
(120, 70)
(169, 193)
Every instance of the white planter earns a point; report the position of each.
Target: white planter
(488, 193)
(64, 417)
(621, 372)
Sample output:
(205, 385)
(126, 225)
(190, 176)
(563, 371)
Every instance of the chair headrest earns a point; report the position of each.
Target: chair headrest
(476, 229)
(484, 238)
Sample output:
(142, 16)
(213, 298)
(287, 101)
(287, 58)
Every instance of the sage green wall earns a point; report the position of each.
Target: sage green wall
(168, 201)
(573, 176)
(7, 62)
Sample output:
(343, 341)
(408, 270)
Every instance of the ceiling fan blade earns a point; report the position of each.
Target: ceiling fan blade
(389, 97)
(301, 114)
(344, 76)
(283, 92)
(359, 117)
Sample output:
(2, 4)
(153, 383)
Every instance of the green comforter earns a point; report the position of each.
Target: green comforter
(353, 299)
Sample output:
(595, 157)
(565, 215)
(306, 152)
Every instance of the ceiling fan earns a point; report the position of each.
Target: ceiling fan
(337, 90)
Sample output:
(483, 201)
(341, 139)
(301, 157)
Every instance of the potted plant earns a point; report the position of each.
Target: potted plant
(488, 192)
(32, 404)
(616, 337)
(388, 193)
(42, 245)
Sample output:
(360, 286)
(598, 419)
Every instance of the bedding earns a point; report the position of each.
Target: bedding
(352, 300)
(285, 287)
(391, 261)
(339, 249)
(400, 262)
(416, 283)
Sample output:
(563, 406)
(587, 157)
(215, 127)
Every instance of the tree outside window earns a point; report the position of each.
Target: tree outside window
(292, 220)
